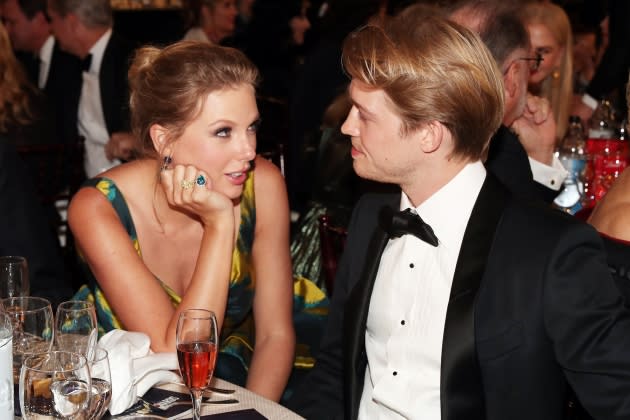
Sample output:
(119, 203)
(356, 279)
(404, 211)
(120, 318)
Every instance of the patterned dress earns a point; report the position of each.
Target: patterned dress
(237, 334)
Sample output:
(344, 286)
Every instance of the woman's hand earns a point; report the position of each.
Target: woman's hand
(190, 189)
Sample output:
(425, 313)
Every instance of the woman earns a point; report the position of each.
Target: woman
(211, 20)
(198, 221)
(23, 115)
(550, 33)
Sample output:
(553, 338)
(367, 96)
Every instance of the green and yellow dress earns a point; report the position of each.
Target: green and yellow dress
(237, 334)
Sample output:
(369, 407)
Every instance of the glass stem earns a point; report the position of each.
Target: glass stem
(196, 400)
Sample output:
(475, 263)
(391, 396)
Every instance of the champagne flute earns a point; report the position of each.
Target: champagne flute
(55, 385)
(75, 327)
(13, 277)
(197, 343)
(32, 320)
(100, 373)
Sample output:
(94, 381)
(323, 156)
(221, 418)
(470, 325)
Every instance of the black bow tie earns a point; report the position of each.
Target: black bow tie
(406, 222)
(86, 63)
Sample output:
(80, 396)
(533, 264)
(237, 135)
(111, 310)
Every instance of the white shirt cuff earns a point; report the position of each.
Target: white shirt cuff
(550, 176)
(589, 101)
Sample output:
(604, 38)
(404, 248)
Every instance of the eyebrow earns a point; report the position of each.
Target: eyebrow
(364, 110)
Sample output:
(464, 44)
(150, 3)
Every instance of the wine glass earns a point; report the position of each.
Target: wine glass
(101, 383)
(55, 385)
(75, 327)
(32, 321)
(13, 277)
(197, 342)
(6, 366)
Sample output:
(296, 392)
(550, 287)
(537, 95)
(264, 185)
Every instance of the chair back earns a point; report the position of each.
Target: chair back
(57, 172)
(332, 242)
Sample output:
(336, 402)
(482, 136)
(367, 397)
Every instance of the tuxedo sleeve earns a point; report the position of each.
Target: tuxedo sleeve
(588, 324)
(320, 396)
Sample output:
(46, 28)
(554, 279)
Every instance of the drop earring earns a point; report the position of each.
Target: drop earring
(166, 162)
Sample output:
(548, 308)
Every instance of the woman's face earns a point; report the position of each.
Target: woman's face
(223, 15)
(222, 139)
(547, 46)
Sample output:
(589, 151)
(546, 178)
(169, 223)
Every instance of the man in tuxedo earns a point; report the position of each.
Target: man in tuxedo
(521, 153)
(488, 307)
(54, 71)
(84, 29)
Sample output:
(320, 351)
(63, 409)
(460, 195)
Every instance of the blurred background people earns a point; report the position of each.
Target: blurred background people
(211, 20)
(551, 37)
(100, 97)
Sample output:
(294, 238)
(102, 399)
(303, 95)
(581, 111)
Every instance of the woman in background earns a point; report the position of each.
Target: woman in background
(211, 20)
(197, 221)
(551, 37)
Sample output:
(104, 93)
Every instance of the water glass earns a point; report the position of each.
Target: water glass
(13, 277)
(101, 383)
(32, 322)
(6, 366)
(75, 327)
(55, 385)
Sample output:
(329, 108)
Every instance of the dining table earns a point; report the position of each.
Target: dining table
(245, 400)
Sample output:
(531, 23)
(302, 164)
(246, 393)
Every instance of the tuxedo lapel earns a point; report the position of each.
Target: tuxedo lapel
(355, 318)
(461, 390)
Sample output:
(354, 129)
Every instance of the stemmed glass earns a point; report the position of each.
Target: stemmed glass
(197, 342)
(32, 320)
(55, 384)
(100, 373)
(75, 327)
(13, 277)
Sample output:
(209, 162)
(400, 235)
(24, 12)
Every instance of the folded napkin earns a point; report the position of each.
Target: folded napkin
(134, 367)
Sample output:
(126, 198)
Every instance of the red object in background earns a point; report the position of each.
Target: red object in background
(607, 158)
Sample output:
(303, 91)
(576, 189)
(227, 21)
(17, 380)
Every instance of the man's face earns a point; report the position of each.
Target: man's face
(61, 29)
(516, 76)
(21, 30)
(379, 151)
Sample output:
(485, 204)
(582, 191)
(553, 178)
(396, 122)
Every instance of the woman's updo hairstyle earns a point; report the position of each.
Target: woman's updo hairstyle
(168, 85)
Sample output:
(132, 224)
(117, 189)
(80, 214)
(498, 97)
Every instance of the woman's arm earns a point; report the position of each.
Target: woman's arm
(131, 289)
(273, 302)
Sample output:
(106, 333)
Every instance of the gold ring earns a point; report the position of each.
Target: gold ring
(186, 185)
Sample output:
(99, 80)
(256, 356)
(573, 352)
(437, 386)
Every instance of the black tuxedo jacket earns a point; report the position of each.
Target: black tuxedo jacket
(113, 85)
(508, 161)
(532, 306)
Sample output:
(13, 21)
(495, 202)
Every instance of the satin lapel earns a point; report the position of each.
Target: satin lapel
(355, 320)
(461, 389)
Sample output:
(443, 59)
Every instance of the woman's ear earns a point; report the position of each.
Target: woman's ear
(159, 137)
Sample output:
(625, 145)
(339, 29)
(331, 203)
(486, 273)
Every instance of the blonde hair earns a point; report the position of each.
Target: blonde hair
(432, 70)
(16, 91)
(168, 85)
(558, 90)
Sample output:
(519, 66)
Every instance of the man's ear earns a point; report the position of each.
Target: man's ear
(159, 137)
(510, 80)
(431, 136)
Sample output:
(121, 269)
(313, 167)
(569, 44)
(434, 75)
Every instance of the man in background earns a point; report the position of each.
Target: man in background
(84, 28)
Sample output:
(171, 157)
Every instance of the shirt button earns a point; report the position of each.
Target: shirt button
(553, 182)
(411, 265)
(395, 373)
(402, 322)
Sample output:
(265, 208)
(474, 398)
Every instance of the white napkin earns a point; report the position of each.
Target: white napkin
(134, 367)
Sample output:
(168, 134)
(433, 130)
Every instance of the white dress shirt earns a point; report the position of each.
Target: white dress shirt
(91, 118)
(550, 176)
(45, 58)
(405, 325)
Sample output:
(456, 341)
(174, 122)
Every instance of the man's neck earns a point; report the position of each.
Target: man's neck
(90, 38)
(426, 182)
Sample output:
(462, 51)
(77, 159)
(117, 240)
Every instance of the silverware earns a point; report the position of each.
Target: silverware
(221, 390)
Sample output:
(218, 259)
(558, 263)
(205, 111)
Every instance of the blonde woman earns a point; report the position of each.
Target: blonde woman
(550, 34)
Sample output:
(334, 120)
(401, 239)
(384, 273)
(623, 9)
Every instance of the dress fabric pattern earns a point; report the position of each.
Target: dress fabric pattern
(237, 334)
